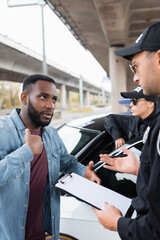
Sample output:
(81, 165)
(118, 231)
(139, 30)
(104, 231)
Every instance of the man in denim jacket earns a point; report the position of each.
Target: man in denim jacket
(31, 157)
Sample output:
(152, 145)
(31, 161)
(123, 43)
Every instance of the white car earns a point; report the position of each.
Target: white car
(89, 139)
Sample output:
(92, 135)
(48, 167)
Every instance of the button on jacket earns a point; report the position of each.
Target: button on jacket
(15, 158)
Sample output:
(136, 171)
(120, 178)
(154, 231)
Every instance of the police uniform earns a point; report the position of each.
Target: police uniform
(146, 226)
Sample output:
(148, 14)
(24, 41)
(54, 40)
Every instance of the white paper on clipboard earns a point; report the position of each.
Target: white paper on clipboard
(92, 193)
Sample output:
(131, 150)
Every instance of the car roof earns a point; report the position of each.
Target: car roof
(95, 122)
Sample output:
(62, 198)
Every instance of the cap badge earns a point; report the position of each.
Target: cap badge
(138, 89)
(139, 38)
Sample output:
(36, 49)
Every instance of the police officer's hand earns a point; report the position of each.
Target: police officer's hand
(129, 164)
(119, 142)
(34, 142)
(108, 217)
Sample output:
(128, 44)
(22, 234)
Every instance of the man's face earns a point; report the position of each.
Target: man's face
(41, 103)
(147, 72)
(142, 108)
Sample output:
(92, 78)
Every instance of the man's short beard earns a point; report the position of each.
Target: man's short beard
(34, 116)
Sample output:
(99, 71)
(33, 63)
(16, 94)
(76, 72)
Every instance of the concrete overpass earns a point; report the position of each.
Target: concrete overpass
(101, 26)
(17, 61)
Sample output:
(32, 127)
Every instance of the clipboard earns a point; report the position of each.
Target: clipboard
(93, 193)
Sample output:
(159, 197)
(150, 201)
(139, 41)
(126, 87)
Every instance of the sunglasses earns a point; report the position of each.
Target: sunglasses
(133, 68)
(135, 100)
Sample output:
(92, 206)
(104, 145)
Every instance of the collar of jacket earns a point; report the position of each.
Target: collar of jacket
(151, 118)
(18, 121)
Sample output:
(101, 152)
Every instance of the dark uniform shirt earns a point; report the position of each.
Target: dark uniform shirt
(146, 226)
(128, 126)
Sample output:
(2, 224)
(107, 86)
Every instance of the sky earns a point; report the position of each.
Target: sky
(23, 24)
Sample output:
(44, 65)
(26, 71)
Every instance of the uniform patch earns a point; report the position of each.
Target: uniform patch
(158, 143)
(145, 136)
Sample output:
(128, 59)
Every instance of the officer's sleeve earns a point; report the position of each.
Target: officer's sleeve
(117, 125)
(147, 224)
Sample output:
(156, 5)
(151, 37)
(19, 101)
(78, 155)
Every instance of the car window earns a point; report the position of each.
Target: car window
(75, 139)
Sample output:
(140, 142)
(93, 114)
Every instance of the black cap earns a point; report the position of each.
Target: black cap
(138, 93)
(149, 40)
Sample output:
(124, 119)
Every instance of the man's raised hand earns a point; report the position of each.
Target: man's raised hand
(34, 142)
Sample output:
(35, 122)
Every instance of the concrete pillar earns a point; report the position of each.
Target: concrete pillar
(81, 92)
(95, 97)
(67, 98)
(63, 96)
(87, 98)
(117, 69)
(100, 100)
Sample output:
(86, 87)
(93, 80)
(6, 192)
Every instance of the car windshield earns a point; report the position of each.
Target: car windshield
(76, 138)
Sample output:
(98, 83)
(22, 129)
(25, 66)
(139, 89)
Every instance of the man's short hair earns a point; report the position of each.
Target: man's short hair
(32, 79)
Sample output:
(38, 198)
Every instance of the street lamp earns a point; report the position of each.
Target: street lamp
(44, 64)
(41, 3)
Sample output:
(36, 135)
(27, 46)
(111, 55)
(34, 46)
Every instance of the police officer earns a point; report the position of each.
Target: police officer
(125, 127)
(145, 56)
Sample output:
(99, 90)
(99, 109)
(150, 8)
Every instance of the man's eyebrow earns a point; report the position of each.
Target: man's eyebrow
(43, 93)
(46, 94)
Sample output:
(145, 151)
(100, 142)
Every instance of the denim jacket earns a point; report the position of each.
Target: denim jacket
(15, 158)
